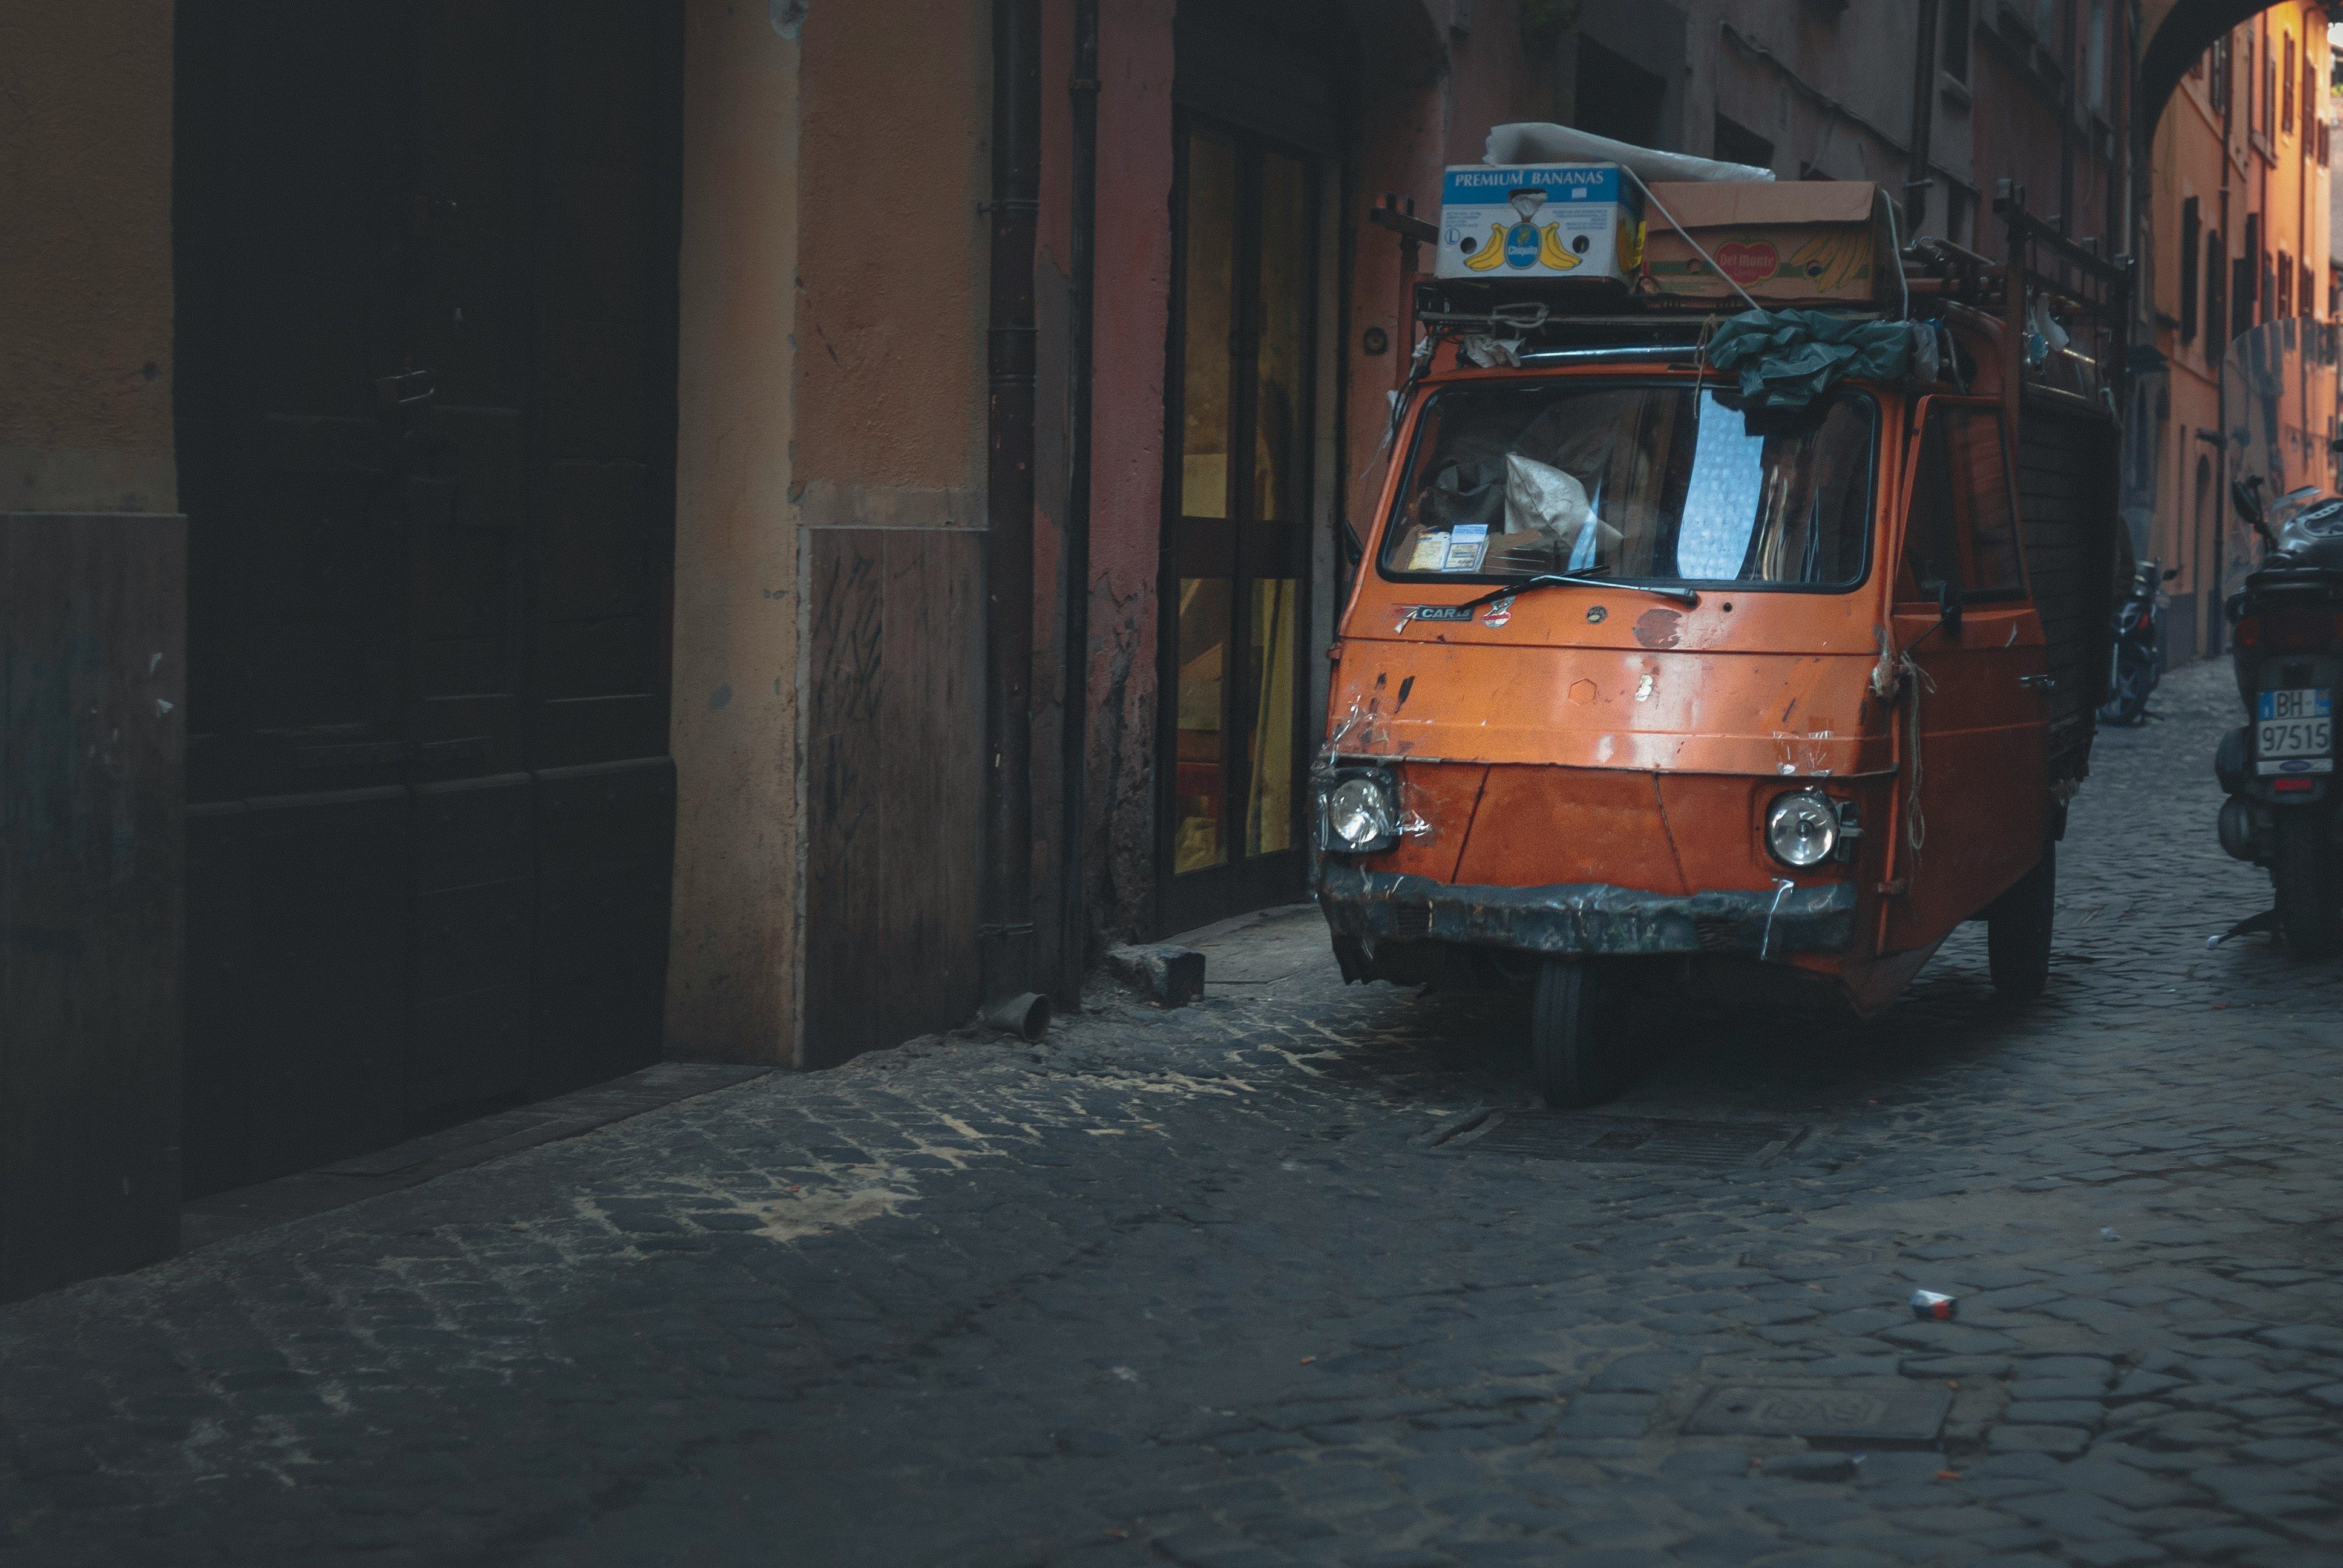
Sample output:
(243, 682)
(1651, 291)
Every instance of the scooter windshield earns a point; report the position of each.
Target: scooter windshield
(1657, 482)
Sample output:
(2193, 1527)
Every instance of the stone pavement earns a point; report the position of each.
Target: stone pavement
(1203, 1288)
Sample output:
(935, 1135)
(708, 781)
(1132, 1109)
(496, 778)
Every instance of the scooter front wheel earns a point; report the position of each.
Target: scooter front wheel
(2302, 873)
(2130, 683)
(1575, 1048)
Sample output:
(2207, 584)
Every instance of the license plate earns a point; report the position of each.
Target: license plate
(2294, 731)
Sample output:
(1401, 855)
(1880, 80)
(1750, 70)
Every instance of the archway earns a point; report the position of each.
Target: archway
(2177, 32)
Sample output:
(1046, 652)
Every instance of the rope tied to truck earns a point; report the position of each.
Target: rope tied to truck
(1897, 674)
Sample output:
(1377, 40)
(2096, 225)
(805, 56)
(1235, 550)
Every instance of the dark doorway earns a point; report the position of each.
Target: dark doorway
(1257, 144)
(1618, 99)
(425, 393)
(1737, 144)
(1241, 404)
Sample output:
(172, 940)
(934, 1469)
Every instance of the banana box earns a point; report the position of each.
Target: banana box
(1578, 221)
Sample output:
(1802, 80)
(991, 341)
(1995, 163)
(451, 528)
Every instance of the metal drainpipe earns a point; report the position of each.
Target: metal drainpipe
(1916, 179)
(1005, 941)
(1073, 909)
(2216, 629)
(2066, 224)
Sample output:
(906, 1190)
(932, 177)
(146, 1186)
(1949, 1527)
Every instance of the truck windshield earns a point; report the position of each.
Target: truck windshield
(1651, 482)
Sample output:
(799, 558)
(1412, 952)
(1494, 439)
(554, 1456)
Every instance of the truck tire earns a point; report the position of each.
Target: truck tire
(2302, 873)
(2018, 927)
(1575, 1048)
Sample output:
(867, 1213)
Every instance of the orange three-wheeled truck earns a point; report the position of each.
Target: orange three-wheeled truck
(1655, 676)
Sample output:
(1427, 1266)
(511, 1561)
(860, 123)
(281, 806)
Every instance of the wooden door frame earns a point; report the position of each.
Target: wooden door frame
(1240, 883)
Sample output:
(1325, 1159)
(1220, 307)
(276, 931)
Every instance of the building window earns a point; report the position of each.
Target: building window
(1956, 39)
(2217, 295)
(2286, 110)
(1737, 144)
(2244, 272)
(2094, 59)
(2217, 82)
(2269, 90)
(1617, 97)
(2285, 285)
(2189, 252)
(2304, 298)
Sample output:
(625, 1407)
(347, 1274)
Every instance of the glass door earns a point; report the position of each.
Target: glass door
(1236, 536)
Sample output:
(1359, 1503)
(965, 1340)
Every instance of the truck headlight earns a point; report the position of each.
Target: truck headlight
(1358, 813)
(1802, 828)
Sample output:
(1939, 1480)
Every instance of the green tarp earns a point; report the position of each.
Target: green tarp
(1787, 358)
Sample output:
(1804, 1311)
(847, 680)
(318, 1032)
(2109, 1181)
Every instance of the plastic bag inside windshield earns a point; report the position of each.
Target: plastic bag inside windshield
(1658, 482)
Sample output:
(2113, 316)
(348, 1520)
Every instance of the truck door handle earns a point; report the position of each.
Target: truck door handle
(2039, 682)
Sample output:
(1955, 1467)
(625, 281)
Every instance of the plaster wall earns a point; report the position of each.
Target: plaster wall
(1132, 317)
(734, 952)
(1492, 79)
(1762, 63)
(888, 466)
(86, 271)
(93, 593)
(895, 142)
(2186, 162)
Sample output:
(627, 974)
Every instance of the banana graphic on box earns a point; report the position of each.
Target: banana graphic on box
(1525, 244)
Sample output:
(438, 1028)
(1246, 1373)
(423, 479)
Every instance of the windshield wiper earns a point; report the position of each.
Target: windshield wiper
(1682, 596)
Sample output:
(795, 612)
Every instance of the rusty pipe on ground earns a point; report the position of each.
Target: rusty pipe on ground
(1005, 938)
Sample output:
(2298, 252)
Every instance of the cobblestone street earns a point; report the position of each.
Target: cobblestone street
(1203, 1287)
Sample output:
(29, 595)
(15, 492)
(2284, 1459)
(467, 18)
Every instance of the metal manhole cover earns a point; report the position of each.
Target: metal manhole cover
(1574, 1135)
(1849, 1415)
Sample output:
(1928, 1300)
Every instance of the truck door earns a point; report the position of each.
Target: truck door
(1972, 808)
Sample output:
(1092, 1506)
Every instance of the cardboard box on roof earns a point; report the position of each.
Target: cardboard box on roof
(1787, 242)
(1513, 222)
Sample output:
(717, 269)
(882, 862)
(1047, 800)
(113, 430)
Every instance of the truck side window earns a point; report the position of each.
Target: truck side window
(1981, 486)
(1963, 529)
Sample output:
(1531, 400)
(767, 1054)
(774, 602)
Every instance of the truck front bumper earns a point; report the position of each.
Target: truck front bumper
(1589, 918)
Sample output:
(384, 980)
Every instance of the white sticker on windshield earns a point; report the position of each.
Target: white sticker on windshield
(1465, 547)
(1721, 497)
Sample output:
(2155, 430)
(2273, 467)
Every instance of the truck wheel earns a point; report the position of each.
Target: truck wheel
(1575, 1035)
(2304, 875)
(2017, 931)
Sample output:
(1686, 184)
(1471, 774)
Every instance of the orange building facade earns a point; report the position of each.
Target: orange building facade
(2241, 181)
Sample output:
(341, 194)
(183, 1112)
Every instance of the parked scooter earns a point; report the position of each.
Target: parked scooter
(2136, 659)
(2286, 636)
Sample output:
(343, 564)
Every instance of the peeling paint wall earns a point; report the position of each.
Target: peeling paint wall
(93, 595)
(1132, 318)
(888, 472)
(733, 966)
(896, 144)
(86, 269)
